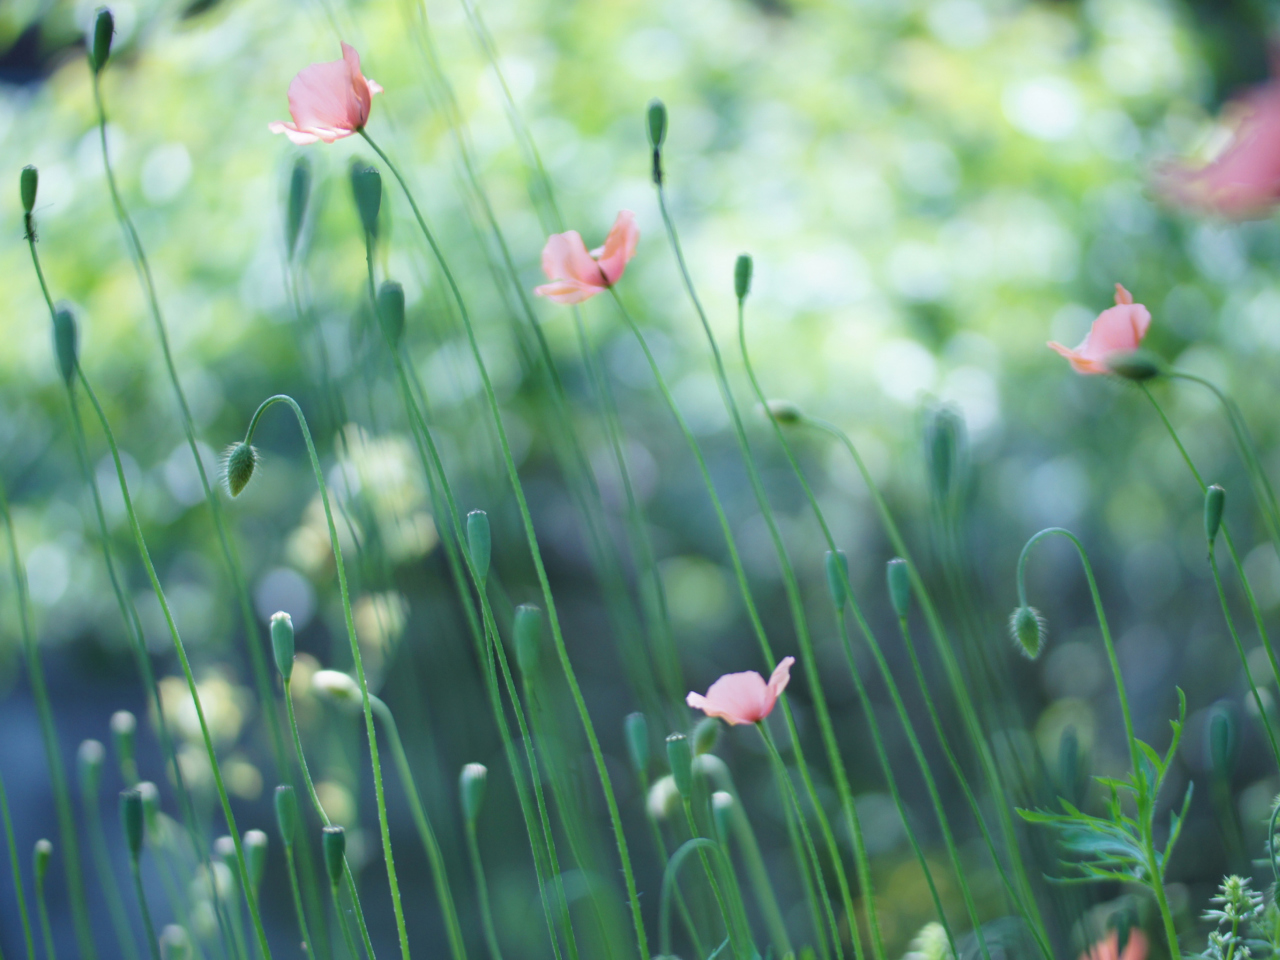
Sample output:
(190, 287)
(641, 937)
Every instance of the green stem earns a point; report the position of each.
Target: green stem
(482, 893)
(42, 911)
(147, 923)
(343, 925)
(562, 652)
(181, 650)
(15, 867)
(660, 846)
(379, 792)
(741, 949)
(298, 910)
(49, 735)
(102, 864)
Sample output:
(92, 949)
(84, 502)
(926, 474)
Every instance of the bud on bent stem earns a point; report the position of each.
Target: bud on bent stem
(680, 756)
(1215, 499)
(471, 784)
(282, 643)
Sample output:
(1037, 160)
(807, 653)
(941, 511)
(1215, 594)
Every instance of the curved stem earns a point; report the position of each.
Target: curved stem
(740, 948)
(379, 792)
(15, 867)
(482, 892)
(544, 583)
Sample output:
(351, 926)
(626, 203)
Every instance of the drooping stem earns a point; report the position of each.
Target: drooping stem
(544, 583)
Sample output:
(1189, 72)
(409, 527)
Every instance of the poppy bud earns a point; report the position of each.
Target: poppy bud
(132, 818)
(837, 577)
(366, 187)
(238, 463)
(1029, 630)
(286, 813)
(299, 195)
(334, 841)
(282, 643)
(104, 27)
(28, 181)
(90, 757)
(899, 586)
(391, 311)
(124, 728)
(174, 943)
(479, 542)
(528, 633)
(150, 795)
(636, 727)
(471, 784)
(66, 342)
(783, 411)
(1223, 740)
(705, 735)
(944, 446)
(663, 799)
(1137, 365)
(1215, 499)
(657, 117)
(40, 858)
(722, 813)
(338, 688)
(742, 276)
(255, 855)
(680, 756)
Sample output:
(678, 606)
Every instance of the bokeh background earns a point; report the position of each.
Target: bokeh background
(931, 190)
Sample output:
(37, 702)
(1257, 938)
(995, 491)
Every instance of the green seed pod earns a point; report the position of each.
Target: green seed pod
(132, 817)
(1029, 630)
(286, 813)
(899, 578)
(104, 27)
(150, 795)
(1138, 365)
(174, 943)
(1215, 498)
(784, 412)
(391, 311)
(838, 577)
(657, 125)
(66, 342)
(333, 839)
(944, 450)
(527, 629)
(124, 729)
(255, 855)
(238, 463)
(680, 756)
(742, 269)
(471, 784)
(40, 859)
(366, 187)
(1223, 742)
(282, 643)
(722, 813)
(28, 183)
(89, 762)
(479, 542)
(636, 728)
(299, 196)
(705, 735)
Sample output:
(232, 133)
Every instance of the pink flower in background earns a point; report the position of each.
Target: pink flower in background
(1119, 329)
(1242, 182)
(577, 275)
(328, 101)
(743, 697)
(1108, 948)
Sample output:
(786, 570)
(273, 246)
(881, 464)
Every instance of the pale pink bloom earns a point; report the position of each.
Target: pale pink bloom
(743, 697)
(1242, 182)
(328, 101)
(1108, 948)
(577, 275)
(1118, 329)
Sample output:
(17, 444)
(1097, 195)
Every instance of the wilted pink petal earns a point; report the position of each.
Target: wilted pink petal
(743, 697)
(577, 275)
(1243, 181)
(1119, 329)
(328, 101)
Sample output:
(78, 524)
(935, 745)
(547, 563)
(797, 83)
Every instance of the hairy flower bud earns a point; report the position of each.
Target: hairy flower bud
(282, 643)
(899, 578)
(1215, 498)
(66, 342)
(366, 187)
(657, 126)
(742, 269)
(238, 464)
(471, 783)
(286, 802)
(1137, 365)
(40, 859)
(104, 28)
(255, 855)
(527, 629)
(722, 813)
(479, 543)
(28, 182)
(338, 688)
(680, 756)
(783, 411)
(334, 842)
(132, 817)
(1029, 630)
(124, 729)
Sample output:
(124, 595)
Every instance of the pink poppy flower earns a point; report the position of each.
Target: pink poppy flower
(328, 101)
(577, 275)
(1119, 329)
(743, 697)
(1108, 948)
(1243, 181)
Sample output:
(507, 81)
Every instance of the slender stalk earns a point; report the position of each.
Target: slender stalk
(740, 948)
(352, 952)
(428, 836)
(298, 910)
(792, 587)
(147, 923)
(482, 892)
(16, 868)
(181, 650)
(42, 911)
(102, 861)
(548, 599)
(49, 736)
(379, 792)
(660, 846)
